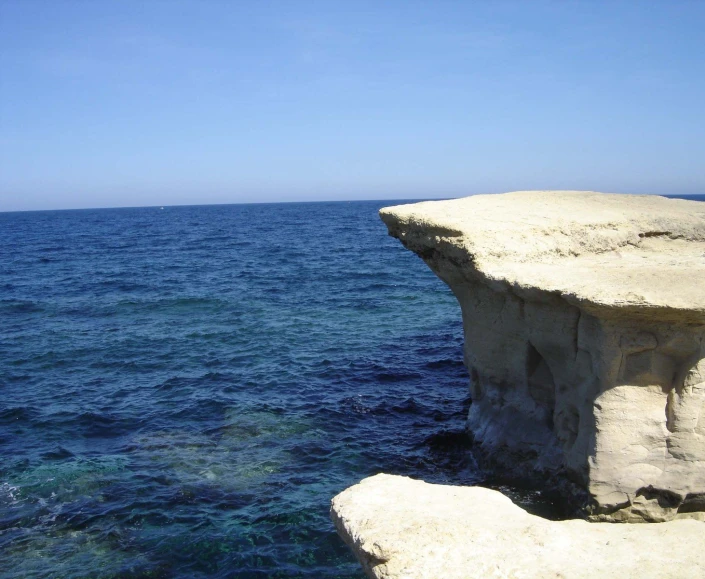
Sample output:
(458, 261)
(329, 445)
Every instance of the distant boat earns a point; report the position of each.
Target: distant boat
(161, 208)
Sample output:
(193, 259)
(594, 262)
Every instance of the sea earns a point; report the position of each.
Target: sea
(184, 389)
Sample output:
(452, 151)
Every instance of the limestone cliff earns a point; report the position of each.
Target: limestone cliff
(584, 319)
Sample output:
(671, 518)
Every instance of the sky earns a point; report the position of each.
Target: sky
(109, 104)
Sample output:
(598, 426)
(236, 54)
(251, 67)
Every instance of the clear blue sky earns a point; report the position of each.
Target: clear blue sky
(125, 103)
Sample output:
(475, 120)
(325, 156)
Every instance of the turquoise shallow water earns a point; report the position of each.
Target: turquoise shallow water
(184, 390)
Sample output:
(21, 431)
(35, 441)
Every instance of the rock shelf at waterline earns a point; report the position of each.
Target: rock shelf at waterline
(584, 322)
(404, 528)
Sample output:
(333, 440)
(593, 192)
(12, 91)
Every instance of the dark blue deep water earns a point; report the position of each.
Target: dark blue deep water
(182, 391)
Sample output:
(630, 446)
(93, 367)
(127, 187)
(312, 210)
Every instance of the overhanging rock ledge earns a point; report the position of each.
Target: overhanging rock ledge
(584, 320)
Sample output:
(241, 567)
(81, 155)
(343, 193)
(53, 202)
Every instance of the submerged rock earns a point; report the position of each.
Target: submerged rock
(584, 319)
(402, 528)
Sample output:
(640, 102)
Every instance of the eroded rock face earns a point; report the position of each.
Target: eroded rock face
(584, 318)
(402, 528)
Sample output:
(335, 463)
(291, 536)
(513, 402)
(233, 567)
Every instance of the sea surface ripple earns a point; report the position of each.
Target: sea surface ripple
(184, 389)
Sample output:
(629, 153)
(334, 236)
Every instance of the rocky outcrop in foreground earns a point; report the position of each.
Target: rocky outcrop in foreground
(402, 528)
(584, 318)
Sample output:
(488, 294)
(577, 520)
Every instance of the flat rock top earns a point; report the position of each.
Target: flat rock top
(641, 253)
(399, 527)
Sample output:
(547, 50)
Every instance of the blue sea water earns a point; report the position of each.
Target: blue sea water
(183, 390)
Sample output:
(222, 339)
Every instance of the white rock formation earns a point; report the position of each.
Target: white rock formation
(402, 528)
(584, 317)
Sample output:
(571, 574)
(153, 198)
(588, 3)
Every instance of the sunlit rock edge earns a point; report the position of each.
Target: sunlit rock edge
(402, 528)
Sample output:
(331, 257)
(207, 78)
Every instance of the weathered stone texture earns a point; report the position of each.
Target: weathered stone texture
(584, 317)
(400, 528)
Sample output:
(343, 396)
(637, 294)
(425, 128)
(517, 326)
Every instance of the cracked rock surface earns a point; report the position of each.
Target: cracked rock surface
(402, 528)
(584, 320)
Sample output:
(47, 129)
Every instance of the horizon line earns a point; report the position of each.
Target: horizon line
(400, 199)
